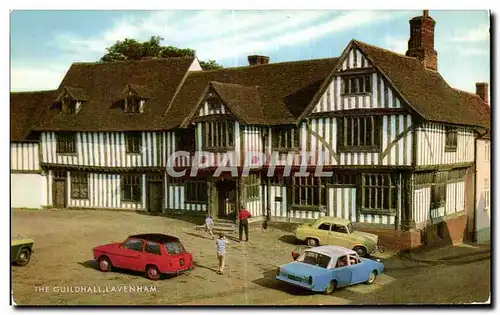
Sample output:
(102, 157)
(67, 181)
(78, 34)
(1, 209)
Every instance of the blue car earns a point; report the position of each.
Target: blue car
(325, 268)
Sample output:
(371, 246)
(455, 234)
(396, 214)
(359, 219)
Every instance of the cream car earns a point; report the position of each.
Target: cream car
(337, 231)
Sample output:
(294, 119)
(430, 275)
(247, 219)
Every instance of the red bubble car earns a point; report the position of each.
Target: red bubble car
(154, 254)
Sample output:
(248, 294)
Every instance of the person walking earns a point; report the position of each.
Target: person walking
(220, 245)
(244, 215)
(209, 225)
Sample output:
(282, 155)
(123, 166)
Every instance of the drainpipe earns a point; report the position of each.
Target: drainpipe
(473, 236)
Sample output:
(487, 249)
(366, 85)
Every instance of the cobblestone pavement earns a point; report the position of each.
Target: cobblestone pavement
(63, 260)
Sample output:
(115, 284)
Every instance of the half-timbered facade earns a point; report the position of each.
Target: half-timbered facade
(372, 136)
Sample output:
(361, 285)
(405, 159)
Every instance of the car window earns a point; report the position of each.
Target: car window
(133, 244)
(324, 226)
(316, 259)
(174, 248)
(153, 248)
(354, 260)
(341, 262)
(339, 228)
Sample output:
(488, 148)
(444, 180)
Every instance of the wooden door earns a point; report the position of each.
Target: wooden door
(155, 195)
(59, 193)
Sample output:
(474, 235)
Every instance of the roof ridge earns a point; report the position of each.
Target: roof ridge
(384, 49)
(127, 61)
(267, 64)
(33, 92)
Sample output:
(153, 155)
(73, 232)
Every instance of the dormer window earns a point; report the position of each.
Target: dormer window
(70, 100)
(133, 98)
(133, 104)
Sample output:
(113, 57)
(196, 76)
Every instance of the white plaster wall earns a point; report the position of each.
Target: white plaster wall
(28, 190)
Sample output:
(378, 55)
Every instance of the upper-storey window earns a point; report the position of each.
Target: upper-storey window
(357, 84)
(359, 133)
(133, 142)
(186, 139)
(218, 134)
(133, 104)
(284, 137)
(68, 104)
(66, 142)
(451, 138)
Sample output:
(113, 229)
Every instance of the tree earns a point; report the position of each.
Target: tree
(131, 49)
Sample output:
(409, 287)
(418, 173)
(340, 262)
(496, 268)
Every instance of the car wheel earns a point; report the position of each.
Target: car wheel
(312, 242)
(372, 277)
(104, 264)
(23, 258)
(331, 287)
(152, 272)
(361, 251)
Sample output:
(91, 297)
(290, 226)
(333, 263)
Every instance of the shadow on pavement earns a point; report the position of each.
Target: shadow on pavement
(94, 265)
(268, 281)
(289, 239)
(205, 267)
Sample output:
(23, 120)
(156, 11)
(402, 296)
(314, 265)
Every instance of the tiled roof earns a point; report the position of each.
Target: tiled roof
(103, 83)
(285, 89)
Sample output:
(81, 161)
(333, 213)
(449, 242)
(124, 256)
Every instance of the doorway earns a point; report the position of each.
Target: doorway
(59, 189)
(155, 196)
(226, 192)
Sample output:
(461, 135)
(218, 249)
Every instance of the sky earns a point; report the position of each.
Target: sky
(45, 43)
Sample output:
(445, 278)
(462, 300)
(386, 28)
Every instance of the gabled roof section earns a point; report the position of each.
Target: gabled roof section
(139, 90)
(158, 79)
(284, 89)
(482, 109)
(424, 90)
(243, 101)
(26, 109)
(75, 92)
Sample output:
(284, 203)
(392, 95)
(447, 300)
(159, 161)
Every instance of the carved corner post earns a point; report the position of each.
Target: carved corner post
(407, 221)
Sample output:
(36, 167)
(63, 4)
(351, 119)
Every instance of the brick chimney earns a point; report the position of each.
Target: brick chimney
(258, 60)
(421, 43)
(482, 91)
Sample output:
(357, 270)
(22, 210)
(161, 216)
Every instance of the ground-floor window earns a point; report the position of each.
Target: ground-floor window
(196, 192)
(379, 192)
(486, 194)
(131, 187)
(308, 191)
(79, 185)
(438, 189)
(252, 183)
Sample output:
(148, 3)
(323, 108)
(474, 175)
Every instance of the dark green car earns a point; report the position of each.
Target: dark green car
(20, 251)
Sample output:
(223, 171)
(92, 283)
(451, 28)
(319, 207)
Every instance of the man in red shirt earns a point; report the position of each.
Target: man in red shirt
(244, 215)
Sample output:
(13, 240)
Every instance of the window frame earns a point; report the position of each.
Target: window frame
(307, 187)
(451, 139)
(357, 84)
(79, 185)
(133, 142)
(66, 143)
(132, 104)
(196, 192)
(487, 152)
(379, 193)
(285, 138)
(486, 194)
(350, 126)
(129, 182)
(218, 135)
(438, 189)
(252, 187)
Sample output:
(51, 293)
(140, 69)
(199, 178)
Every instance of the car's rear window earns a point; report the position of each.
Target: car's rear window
(313, 258)
(174, 247)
